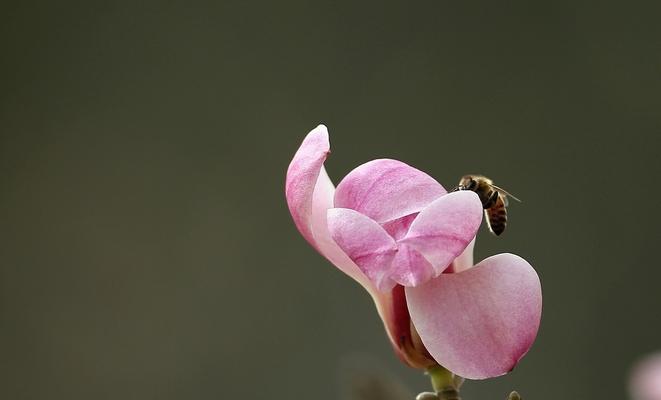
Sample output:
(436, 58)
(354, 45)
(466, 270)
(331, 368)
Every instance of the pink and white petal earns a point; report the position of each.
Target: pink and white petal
(480, 322)
(410, 268)
(386, 189)
(645, 382)
(302, 176)
(367, 244)
(443, 230)
(310, 192)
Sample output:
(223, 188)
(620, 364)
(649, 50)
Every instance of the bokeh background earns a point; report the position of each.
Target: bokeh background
(146, 248)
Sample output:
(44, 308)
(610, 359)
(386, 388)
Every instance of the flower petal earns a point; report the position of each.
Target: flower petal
(398, 228)
(302, 176)
(410, 268)
(443, 230)
(310, 193)
(385, 190)
(480, 322)
(365, 242)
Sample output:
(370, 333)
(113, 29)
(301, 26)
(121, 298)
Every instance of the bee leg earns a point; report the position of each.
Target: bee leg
(491, 200)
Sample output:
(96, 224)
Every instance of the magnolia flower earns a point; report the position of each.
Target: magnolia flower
(645, 383)
(409, 243)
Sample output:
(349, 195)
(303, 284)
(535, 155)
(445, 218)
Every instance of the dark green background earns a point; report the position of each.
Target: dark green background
(146, 248)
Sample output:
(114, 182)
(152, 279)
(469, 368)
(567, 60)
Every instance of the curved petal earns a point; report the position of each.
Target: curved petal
(480, 322)
(302, 176)
(365, 242)
(309, 192)
(443, 230)
(385, 190)
(645, 383)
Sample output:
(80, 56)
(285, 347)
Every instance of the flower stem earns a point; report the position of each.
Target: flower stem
(444, 382)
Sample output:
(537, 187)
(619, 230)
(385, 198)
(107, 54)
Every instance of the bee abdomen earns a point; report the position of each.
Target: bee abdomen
(497, 216)
(497, 220)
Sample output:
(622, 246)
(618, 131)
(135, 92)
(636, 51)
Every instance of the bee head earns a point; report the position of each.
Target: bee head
(467, 182)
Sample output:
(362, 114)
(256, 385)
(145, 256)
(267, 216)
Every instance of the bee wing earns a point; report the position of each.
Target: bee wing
(505, 192)
(486, 218)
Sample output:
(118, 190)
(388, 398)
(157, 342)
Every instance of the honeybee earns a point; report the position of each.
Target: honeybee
(494, 200)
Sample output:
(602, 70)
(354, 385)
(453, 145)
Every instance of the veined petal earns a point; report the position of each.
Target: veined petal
(480, 322)
(365, 242)
(309, 192)
(385, 190)
(302, 176)
(445, 227)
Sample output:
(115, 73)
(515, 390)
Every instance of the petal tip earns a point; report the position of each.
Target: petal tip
(305, 177)
(320, 132)
(470, 196)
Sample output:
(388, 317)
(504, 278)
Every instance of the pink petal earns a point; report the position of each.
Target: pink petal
(645, 383)
(365, 242)
(443, 230)
(309, 192)
(302, 176)
(385, 190)
(480, 322)
(410, 268)
(398, 228)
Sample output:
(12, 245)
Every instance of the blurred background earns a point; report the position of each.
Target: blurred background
(146, 248)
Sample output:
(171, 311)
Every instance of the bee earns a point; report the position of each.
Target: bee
(494, 200)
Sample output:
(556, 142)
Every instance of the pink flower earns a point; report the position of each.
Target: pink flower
(409, 243)
(645, 383)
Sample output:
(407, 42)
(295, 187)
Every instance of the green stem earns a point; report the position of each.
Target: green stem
(441, 378)
(445, 383)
